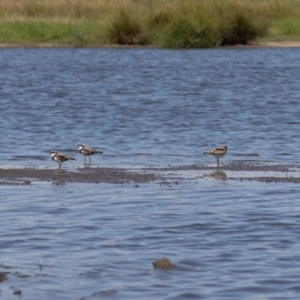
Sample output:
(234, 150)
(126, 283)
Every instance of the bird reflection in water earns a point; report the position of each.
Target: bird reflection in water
(216, 175)
(58, 182)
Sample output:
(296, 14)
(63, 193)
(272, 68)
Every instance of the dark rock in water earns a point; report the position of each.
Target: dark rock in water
(163, 263)
(2, 277)
(17, 292)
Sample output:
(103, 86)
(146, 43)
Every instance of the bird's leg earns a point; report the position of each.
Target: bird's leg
(89, 159)
(218, 162)
(58, 170)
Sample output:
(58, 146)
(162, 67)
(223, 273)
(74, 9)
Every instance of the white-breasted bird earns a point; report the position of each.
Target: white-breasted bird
(86, 151)
(59, 157)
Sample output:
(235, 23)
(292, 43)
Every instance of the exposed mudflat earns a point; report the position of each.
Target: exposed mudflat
(163, 174)
(276, 173)
(86, 175)
(230, 167)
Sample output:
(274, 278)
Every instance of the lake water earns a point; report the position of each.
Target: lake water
(144, 108)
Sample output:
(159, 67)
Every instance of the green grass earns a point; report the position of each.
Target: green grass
(287, 29)
(49, 32)
(163, 23)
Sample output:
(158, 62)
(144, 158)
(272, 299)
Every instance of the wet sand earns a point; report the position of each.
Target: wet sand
(164, 174)
(271, 44)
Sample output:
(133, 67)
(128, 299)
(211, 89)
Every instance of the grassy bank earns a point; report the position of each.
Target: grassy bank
(162, 23)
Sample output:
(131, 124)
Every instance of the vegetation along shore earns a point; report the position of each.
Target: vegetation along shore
(159, 23)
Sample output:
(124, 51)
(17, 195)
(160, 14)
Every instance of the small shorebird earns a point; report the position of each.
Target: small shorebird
(87, 151)
(217, 152)
(59, 157)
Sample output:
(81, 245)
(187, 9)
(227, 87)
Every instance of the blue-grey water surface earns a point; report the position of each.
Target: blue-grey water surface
(228, 239)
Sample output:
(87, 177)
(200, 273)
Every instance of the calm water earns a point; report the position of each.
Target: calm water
(228, 239)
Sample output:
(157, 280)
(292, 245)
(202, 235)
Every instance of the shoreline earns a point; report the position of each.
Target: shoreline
(258, 45)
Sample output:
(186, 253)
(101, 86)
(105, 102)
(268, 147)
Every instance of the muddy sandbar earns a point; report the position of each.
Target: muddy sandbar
(84, 175)
(161, 174)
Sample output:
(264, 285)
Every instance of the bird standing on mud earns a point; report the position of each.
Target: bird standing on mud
(217, 152)
(59, 157)
(87, 151)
